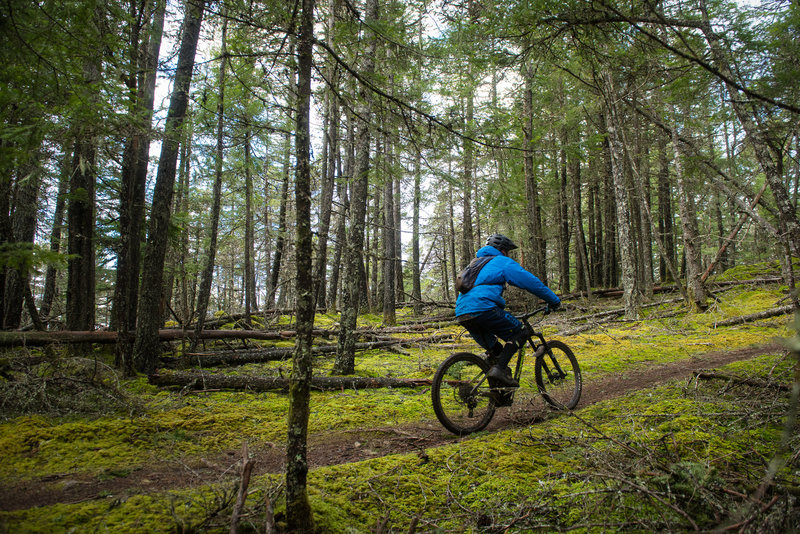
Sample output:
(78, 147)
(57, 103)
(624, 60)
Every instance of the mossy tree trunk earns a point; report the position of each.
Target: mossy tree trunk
(354, 266)
(298, 509)
(631, 294)
(691, 240)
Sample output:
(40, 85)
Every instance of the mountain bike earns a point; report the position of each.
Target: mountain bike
(464, 400)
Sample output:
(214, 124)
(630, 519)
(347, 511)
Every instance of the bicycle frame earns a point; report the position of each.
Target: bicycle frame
(538, 348)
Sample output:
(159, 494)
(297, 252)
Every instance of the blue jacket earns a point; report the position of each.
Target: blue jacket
(490, 284)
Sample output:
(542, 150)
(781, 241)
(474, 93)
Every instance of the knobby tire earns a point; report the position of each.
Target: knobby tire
(461, 395)
(558, 376)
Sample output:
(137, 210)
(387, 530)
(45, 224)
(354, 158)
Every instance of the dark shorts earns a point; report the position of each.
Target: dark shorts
(487, 326)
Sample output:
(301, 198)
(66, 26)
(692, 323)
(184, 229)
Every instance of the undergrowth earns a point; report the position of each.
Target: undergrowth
(53, 386)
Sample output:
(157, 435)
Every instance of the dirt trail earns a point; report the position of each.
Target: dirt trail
(336, 447)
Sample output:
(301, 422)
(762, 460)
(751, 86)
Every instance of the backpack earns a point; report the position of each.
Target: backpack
(466, 278)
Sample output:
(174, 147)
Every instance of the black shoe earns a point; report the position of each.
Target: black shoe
(502, 376)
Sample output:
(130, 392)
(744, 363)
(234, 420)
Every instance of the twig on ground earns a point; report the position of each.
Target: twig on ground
(241, 497)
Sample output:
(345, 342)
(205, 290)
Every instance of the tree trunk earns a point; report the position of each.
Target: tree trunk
(345, 354)
(15, 339)
(665, 214)
(250, 302)
(642, 189)
(534, 218)
(398, 242)
(563, 221)
(187, 286)
(691, 239)
(207, 275)
(326, 200)
(388, 243)
(55, 242)
(334, 291)
(81, 219)
(416, 283)
(610, 241)
(267, 234)
(722, 261)
(451, 240)
(581, 256)
(667, 261)
(330, 152)
(595, 216)
(146, 348)
(626, 245)
(259, 384)
(280, 242)
(299, 517)
(132, 188)
(6, 235)
(467, 237)
(372, 244)
(341, 236)
(23, 227)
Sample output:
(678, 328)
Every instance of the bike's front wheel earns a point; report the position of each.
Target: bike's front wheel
(558, 376)
(461, 395)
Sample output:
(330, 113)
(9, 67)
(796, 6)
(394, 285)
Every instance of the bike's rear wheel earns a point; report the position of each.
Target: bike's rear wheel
(461, 394)
(558, 376)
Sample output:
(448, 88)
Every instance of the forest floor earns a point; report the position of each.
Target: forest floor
(339, 446)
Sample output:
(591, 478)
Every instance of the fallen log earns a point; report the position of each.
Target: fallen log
(242, 357)
(36, 338)
(260, 383)
(213, 359)
(775, 312)
(17, 339)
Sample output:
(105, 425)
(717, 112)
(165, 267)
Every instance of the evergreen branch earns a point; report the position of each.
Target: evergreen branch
(432, 119)
(637, 22)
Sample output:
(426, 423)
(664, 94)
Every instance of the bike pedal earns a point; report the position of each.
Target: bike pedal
(502, 398)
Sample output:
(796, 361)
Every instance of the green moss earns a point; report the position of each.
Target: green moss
(752, 271)
(684, 440)
(691, 442)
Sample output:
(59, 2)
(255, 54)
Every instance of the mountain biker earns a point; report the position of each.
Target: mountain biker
(481, 309)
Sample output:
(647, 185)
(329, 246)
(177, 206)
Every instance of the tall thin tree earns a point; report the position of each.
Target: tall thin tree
(143, 63)
(298, 509)
(207, 275)
(81, 214)
(631, 295)
(345, 351)
(147, 348)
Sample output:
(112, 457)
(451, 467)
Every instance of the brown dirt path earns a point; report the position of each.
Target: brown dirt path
(336, 447)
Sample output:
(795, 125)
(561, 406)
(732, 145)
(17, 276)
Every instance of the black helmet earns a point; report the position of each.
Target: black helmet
(500, 242)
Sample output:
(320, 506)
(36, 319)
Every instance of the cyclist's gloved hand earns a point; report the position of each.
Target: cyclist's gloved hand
(552, 307)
